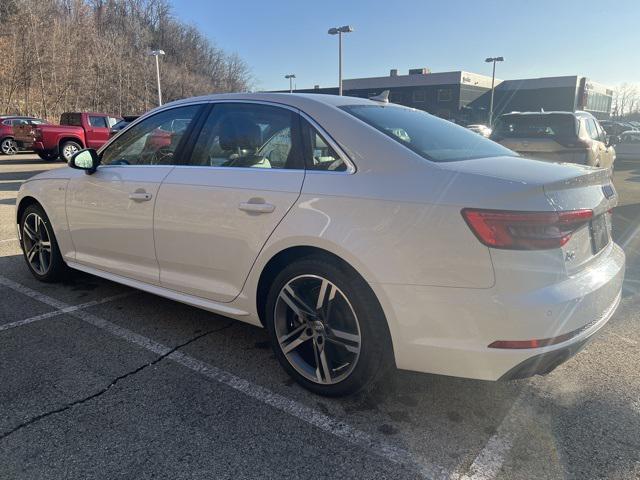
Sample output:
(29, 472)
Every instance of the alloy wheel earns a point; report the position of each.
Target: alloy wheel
(37, 243)
(9, 146)
(317, 329)
(68, 151)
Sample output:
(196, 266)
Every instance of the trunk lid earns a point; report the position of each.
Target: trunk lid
(565, 187)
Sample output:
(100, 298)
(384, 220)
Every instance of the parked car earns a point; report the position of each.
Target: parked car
(628, 145)
(126, 120)
(614, 128)
(574, 137)
(8, 145)
(480, 129)
(358, 249)
(75, 132)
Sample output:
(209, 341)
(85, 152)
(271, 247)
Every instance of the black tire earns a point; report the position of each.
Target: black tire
(57, 269)
(69, 145)
(48, 156)
(375, 354)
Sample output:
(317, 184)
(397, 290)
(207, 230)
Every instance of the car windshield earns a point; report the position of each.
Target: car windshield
(431, 137)
(535, 126)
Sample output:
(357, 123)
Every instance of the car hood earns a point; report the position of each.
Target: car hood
(57, 173)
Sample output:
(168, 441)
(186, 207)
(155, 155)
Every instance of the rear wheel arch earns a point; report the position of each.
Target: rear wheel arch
(293, 254)
(63, 140)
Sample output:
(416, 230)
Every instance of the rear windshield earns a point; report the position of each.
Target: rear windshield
(535, 126)
(431, 137)
(74, 119)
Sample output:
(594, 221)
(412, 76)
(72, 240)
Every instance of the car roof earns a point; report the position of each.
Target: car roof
(297, 100)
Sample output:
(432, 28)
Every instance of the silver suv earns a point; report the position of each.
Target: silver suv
(574, 137)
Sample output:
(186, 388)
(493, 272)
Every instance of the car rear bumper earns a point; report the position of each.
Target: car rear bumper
(448, 330)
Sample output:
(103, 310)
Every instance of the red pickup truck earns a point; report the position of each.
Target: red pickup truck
(75, 132)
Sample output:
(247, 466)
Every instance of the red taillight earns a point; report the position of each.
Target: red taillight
(525, 230)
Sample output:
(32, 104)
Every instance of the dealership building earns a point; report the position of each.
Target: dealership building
(465, 96)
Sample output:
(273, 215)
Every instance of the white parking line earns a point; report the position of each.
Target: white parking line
(9, 240)
(56, 313)
(296, 409)
(489, 461)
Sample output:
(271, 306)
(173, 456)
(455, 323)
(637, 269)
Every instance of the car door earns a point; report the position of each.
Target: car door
(97, 131)
(214, 214)
(110, 212)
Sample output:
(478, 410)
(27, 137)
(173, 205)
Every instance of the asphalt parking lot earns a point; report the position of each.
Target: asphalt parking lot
(98, 380)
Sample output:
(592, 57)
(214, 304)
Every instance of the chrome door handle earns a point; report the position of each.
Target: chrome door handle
(140, 196)
(257, 207)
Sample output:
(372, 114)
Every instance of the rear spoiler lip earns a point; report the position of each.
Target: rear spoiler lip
(597, 177)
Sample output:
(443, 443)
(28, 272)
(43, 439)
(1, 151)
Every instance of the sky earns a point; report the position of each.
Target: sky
(595, 38)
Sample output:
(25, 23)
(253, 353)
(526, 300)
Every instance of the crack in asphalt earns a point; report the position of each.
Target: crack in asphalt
(101, 392)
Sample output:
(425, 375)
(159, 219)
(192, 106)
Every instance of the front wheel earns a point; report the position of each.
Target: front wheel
(8, 146)
(40, 247)
(326, 327)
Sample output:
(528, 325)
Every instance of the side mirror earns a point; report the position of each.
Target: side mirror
(613, 140)
(87, 160)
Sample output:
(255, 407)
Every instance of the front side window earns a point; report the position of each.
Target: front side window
(430, 137)
(245, 135)
(97, 122)
(153, 141)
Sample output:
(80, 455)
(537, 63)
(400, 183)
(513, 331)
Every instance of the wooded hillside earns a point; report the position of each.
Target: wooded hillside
(61, 55)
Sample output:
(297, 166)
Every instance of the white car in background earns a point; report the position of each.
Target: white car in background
(361, 234)
(628, 145)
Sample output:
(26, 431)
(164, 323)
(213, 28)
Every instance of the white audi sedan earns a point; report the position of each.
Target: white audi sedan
(362, 235)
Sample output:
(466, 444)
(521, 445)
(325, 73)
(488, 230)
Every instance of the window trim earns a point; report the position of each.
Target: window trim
(195, 133)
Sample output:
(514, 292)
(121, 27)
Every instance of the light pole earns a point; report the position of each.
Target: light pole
(157, 53)
(339, 31)
(291, 76)
(493, 80)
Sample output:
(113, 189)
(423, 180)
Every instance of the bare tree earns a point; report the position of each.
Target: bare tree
(93, 55)
(626, 100)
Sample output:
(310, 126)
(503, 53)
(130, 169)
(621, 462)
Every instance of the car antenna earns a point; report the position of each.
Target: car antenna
(383, 97)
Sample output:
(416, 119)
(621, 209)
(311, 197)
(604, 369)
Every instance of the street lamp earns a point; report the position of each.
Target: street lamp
(339, 31)
(157, 53)
(493, 80)
(291, 76)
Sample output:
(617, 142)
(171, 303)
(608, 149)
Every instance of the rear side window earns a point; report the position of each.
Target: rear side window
(246, 135)
(431, 137)
(592, 129)
(535, 126)
(320, 155)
